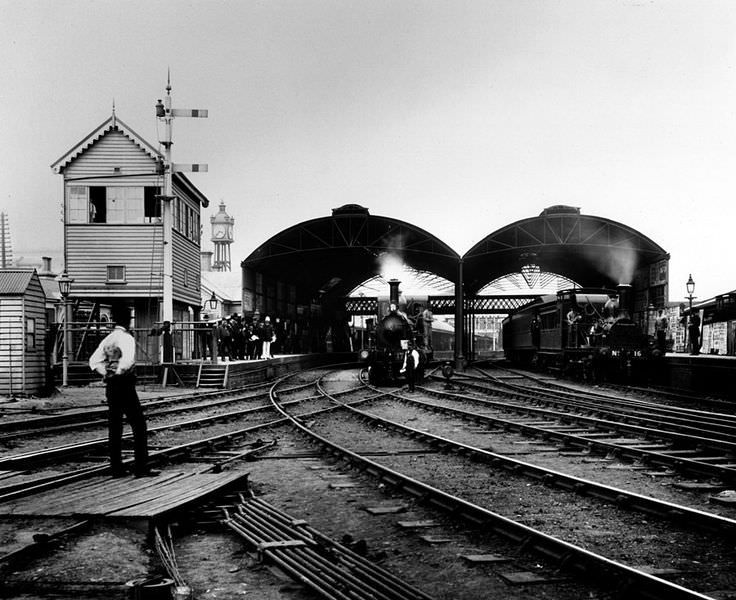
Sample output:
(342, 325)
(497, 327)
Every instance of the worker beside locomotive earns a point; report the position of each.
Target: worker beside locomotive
(392, 338)
(581, 331)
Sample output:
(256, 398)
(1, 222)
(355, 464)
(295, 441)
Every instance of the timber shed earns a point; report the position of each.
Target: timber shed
(23, 328)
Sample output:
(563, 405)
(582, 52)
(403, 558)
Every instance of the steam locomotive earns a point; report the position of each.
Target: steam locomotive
(581, 332)
(390, 338)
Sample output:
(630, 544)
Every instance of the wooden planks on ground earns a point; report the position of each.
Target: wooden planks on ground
(125, 497)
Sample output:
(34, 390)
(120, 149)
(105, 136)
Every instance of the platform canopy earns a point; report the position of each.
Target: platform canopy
(589, 250)
(336, 253)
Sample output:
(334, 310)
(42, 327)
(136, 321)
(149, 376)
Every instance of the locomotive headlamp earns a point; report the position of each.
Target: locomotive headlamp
(364, 354)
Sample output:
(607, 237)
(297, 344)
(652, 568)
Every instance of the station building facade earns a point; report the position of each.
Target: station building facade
(113, 237)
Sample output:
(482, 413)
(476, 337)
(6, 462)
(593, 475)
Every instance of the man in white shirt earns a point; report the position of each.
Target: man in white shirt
(114, 359)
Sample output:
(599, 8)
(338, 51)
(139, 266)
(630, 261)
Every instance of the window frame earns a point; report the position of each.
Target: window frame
(115, 279)
(77, 205)
(30, 333)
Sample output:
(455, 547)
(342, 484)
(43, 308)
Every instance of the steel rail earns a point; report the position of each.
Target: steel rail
(582, 562)
(542, 397)
(20, 460)
(630, 500)
(267, 521)
(77, 415)
(360, 564)
(718, 422)
(266, 533)
(650, 413)
(267, 526)
(148, 414)
(14, 491)
(553, 432)
(643, 432)
(553, 382)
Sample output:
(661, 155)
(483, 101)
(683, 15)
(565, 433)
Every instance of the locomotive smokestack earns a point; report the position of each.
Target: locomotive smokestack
(393, 291)
(625, 300)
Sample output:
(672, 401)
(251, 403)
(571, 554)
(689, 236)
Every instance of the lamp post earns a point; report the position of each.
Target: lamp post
(690, 287)
(213, 305)
(65, 286)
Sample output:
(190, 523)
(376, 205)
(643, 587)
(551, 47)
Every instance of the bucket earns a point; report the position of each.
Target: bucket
(153, 588)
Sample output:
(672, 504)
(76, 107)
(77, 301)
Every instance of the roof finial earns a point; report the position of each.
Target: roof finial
(114, 118)
(168, 80)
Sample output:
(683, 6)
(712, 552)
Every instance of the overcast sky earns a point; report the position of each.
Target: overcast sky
(459, 117)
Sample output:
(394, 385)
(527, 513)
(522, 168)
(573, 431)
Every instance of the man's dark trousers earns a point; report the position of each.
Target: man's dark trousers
(122, 399)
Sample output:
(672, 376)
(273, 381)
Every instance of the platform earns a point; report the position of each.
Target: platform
(702, 374)
(125, 498)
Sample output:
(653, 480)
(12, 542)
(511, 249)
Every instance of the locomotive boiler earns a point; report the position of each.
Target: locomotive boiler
(390, 339)
(581, 332)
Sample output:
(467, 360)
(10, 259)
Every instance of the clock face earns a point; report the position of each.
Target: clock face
(219, 233)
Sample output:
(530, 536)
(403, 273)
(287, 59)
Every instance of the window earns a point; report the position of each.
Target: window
(186, 277)
(77, 204)
(115, 274)
(125, 204)
(98, 205)
(151, 205)
(30, 333)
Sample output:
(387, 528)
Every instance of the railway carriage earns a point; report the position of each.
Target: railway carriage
(581, 331)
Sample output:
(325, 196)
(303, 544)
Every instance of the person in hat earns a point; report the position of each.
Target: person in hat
(267, 337)
(114, 359)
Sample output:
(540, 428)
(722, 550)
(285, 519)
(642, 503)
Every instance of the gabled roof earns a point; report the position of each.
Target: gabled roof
(111, 124)
(15, 282)
(115, 124)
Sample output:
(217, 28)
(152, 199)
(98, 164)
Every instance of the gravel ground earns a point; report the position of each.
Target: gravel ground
(215, 563)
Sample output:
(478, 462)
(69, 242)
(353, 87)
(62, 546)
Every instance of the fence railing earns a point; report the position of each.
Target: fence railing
(84, 337)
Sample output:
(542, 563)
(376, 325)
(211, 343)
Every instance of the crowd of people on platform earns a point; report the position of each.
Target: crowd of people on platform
(243, 338)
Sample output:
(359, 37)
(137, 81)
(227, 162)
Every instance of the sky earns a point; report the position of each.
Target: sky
(457, 116)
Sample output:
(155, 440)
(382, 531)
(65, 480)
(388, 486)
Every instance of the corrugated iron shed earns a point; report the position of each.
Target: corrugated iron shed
(14, 282)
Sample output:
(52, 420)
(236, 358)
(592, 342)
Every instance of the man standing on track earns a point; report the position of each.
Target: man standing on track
(114, 359)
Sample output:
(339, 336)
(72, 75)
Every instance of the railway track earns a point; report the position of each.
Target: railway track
(621, 499)
(328, 405)
(705, 449)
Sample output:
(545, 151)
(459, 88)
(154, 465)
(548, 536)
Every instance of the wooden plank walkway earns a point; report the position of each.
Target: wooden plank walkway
(147, 497)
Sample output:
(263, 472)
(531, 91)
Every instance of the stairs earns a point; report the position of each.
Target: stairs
(212, 376)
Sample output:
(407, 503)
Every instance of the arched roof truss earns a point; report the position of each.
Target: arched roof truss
(339, 252)
(590, 250)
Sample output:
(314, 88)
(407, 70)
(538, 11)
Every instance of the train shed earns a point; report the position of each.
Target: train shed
(305, 271)
(590, 250)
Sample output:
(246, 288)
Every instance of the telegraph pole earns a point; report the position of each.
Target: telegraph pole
(167, 114)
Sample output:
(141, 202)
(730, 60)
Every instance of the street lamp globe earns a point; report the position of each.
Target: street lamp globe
(690, 285)
(65, 284)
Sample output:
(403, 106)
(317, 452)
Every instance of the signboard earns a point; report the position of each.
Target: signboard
(658, 273)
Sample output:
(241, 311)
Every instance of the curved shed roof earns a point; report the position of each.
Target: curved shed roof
(338, 252)
(593, 251)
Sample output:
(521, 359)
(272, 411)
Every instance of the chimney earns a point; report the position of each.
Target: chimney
(625, 300)
(205, 261)
(46, 268)
(393, 291)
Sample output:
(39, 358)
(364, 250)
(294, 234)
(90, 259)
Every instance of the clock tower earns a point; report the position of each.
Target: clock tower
(222, 237)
